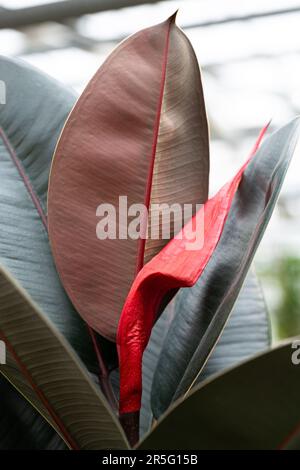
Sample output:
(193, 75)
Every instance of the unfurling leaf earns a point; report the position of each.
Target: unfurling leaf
(234, 221)
(224, 274)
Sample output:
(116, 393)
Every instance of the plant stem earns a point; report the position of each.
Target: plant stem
(131, 424)
(103, 373)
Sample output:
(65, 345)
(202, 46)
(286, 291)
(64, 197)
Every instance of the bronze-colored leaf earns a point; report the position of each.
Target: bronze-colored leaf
(138, 130)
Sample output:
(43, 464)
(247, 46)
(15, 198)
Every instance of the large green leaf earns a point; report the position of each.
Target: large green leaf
(56, 383)
(193, 333)
(252, 406)
(150, 359)
(31, 121)
(21, 426)
(246, 333)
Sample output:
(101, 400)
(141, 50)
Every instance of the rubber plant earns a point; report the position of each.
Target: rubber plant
(145, 324)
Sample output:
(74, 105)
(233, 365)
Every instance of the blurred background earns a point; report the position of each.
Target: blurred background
(249, 52)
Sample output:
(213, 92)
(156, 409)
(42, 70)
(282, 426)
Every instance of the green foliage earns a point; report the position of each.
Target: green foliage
(285, 272)
(253, 406)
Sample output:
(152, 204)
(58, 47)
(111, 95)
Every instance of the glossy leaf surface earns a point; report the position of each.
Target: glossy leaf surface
(21, 426)
(246, 209)
(139, 130)
(46, 370)
(194, 333)
(252, 406)
(246, 333)
(30, 123)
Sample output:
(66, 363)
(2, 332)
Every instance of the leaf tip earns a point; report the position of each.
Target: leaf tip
(172, 18)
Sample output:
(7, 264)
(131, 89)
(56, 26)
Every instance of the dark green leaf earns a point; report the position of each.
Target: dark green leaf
(150, 359)
(21, 426)
(252, 406)
(43, 366)
(246, 333)
(31, 121)
(193, 334)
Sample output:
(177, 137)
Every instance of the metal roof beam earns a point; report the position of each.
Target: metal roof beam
(60, 11)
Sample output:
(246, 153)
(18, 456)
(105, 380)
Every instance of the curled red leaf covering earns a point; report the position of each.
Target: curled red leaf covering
(176, 265)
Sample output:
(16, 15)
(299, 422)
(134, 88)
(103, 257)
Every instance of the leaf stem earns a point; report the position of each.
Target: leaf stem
(103, 373)
(131, 425)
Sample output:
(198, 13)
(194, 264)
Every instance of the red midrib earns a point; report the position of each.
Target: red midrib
(24, 177)
(23, 368)
(142, 241)
(40, 394)
(295, 431)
